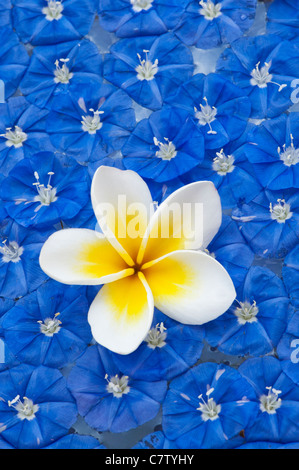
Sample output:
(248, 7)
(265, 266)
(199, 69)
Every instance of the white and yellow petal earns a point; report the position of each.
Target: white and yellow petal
(121, 314)
(188, 219)
(190, 286)
(82, 256)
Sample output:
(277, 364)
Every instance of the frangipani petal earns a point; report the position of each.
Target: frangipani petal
(121, 314)
(82, 256)
(122, 204)
(188, 219)
(190, 286)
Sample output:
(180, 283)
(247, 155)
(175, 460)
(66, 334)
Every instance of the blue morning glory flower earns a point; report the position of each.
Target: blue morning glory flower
(108, 399)
(249, 326)
(101, 119)
(277, 399)
(168, 350)
(48, 326)
(35, 407)
(283, 18)
(290, 274)
(270, 222)
(149, 69)
(207, 407)
(273, 150)
(5, 8)
(288, 347)
(218, 107)
(264, 67)
(156, 440)
(22, 132)
(210, 23)
(75, 441)
(13, 60)
(60, 69)
(41, 191)
(5, 445)
(5, 305)
(43, 22)
(167, 144)
(129, 18)
(19, 252)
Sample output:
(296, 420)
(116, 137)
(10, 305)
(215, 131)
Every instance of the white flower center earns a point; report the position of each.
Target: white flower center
(209, 10)
(62, 74)
(270, 403)
(146, 70)
(206, 115)
(14, 138)
(53, 10)
(246, 313)
(26, 408)
(209, 409)
(50, 326)
(156, 336)
(223, 164)
(11, 252)
(139, 5)
(166, 151)
(92, 124)
(46, 195)
(289, 155)
(281, 211)
(118, 386)
(261, 77)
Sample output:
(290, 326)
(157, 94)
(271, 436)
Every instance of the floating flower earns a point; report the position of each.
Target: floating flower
(263, 67)
(283, 18)
(290, 274)
(218, 107)
(156, 440)
(110, 400)
(48, 326)
(39, 190)
(43, 22)
(167, 144)
(149, 69)
(249, 327)
(143, 261)
(210, 23)
(35, 407)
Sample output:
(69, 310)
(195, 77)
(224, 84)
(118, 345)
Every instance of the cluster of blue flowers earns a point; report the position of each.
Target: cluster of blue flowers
(141, 105)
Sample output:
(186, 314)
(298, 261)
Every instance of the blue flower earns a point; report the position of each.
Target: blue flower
(269, 445)
(13, 60)
(19, 252)
(5, 8)
(59, 69)
(149, 69)
(283, 18)
(207, 407)
(101, 119)
(273, 150)
(22, 132)
(41, 190)
(168, 350)
(129, 18)
(156, 440)
(287, 348)
(75, 441)
(49, 326)
(290, 274)
(5, 305)
(110, 400)
(277, 399)
(263, 66)
(210, 23)
(218, 107)
(270, 223)
(249, 326)
(35, 407)
(43, 22)
(167, 144)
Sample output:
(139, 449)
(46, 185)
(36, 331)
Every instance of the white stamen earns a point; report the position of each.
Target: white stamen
(156, 336)
(206, 115)
(209, 9)
(146, 70)
(118, 386)
(270, 403)
(11, 252)
(209, 409)
(261, 77)
(53, 10)
(247, 312)
(223, 164)
(281, 211)
(50, 326)
(289, 155)
(62, 74)
(92, 124)
(46, 195)
(26, 408)
(139, 5)
(166, 151)
(14, 138)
